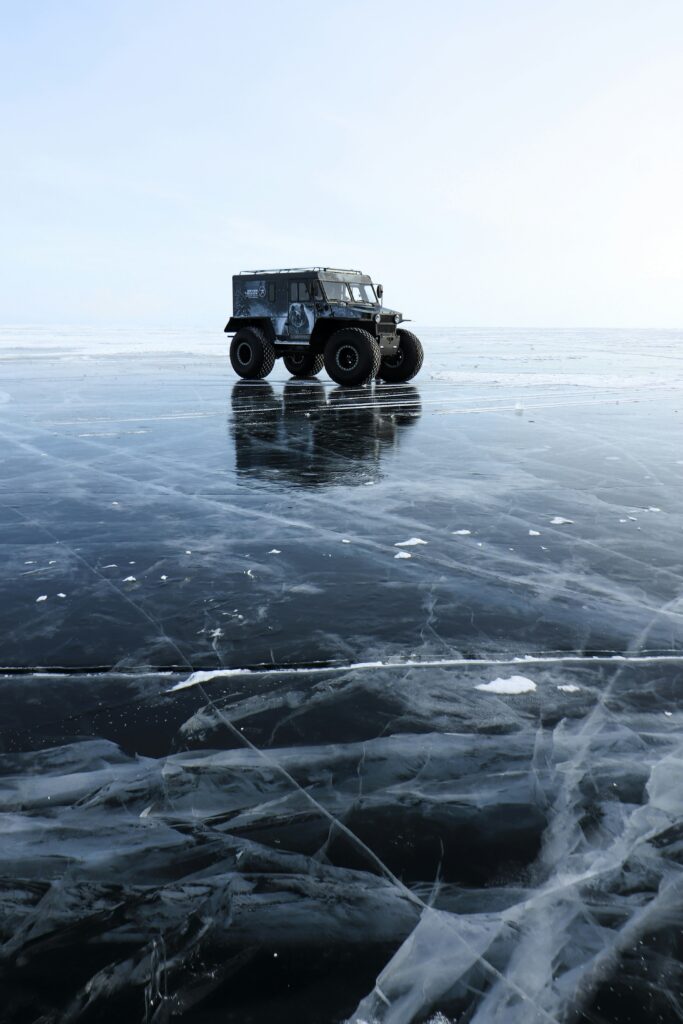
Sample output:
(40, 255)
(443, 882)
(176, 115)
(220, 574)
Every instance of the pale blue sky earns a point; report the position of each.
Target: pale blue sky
(491, 162)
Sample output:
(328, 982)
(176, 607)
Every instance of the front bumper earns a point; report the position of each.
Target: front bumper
(385, 332)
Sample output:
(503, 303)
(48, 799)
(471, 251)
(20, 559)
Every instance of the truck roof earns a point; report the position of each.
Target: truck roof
(305, 270)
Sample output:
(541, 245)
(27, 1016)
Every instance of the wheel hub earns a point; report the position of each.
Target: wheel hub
(244, 353)
(395, 360)
(347, 357)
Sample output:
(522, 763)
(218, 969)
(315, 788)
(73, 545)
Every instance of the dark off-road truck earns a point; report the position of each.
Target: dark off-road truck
(314, 317)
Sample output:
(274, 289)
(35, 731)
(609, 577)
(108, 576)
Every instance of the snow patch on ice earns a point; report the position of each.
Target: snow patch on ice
(274, 551)
(130, 579)
(560, 521)
(402, 554)
(43, 597)
(534, 533)
(410, 543)
(511, 685)
(461, 533)
(569, 687)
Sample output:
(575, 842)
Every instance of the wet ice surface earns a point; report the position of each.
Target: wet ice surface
(257, 767)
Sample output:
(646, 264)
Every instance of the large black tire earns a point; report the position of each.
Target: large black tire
(352, 357)
(406, 363)
(251, 354)
(303, 362)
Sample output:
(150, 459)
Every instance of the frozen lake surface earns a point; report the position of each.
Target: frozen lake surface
(324, 705)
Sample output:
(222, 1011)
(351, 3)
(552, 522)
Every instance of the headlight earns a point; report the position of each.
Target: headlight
(377, 318)
(397, 318)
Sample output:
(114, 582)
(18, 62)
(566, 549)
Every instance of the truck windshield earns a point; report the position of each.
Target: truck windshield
(347, 291)
(363, 293)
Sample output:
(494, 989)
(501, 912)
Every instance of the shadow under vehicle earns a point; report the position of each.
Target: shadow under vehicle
(319, 316)
(309, 437)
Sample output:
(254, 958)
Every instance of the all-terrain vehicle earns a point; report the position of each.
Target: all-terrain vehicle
(314, 317)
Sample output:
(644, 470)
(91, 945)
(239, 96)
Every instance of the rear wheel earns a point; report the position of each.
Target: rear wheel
(251, 354)
(352, 357)
(303, 363)
(406, 361)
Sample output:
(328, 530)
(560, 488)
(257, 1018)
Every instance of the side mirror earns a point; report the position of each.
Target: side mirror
(380, 291)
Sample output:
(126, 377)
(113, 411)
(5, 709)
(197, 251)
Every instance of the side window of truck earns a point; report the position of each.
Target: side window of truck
(271, 291)
(299, 291)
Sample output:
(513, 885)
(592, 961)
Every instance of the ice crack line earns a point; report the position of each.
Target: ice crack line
(208, 675)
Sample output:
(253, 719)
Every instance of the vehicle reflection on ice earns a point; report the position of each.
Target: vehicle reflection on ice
(309, 436)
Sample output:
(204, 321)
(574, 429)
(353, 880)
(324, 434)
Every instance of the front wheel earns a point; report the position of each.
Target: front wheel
(352, 357)
(406, 361)
(303, 363)
(251, 354)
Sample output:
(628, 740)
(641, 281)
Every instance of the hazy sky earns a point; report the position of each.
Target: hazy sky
(492, 162)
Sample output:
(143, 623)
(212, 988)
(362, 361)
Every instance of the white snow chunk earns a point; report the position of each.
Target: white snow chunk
(668, 714)
(163, 577)
(403, 554)
(512, 685)
(345, 540)
(250, 573)
(411, 543)
(569, 687)
(461, 533)
(130, 579)
(534, 533)
(216, 633)
(53, 562)
(560, 521)
(43, 597)
(114, 502)
(188, 552)
(274, 551)
(113, 565)
(145, 813)
(634, 519)
(653, 508)
(205, 676)
(61, 595)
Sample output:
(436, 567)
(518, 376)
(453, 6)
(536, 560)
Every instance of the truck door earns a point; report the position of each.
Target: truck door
(301, 314)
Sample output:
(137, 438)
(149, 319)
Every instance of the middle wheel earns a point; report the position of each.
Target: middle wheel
(302, 362)
(352, 357)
